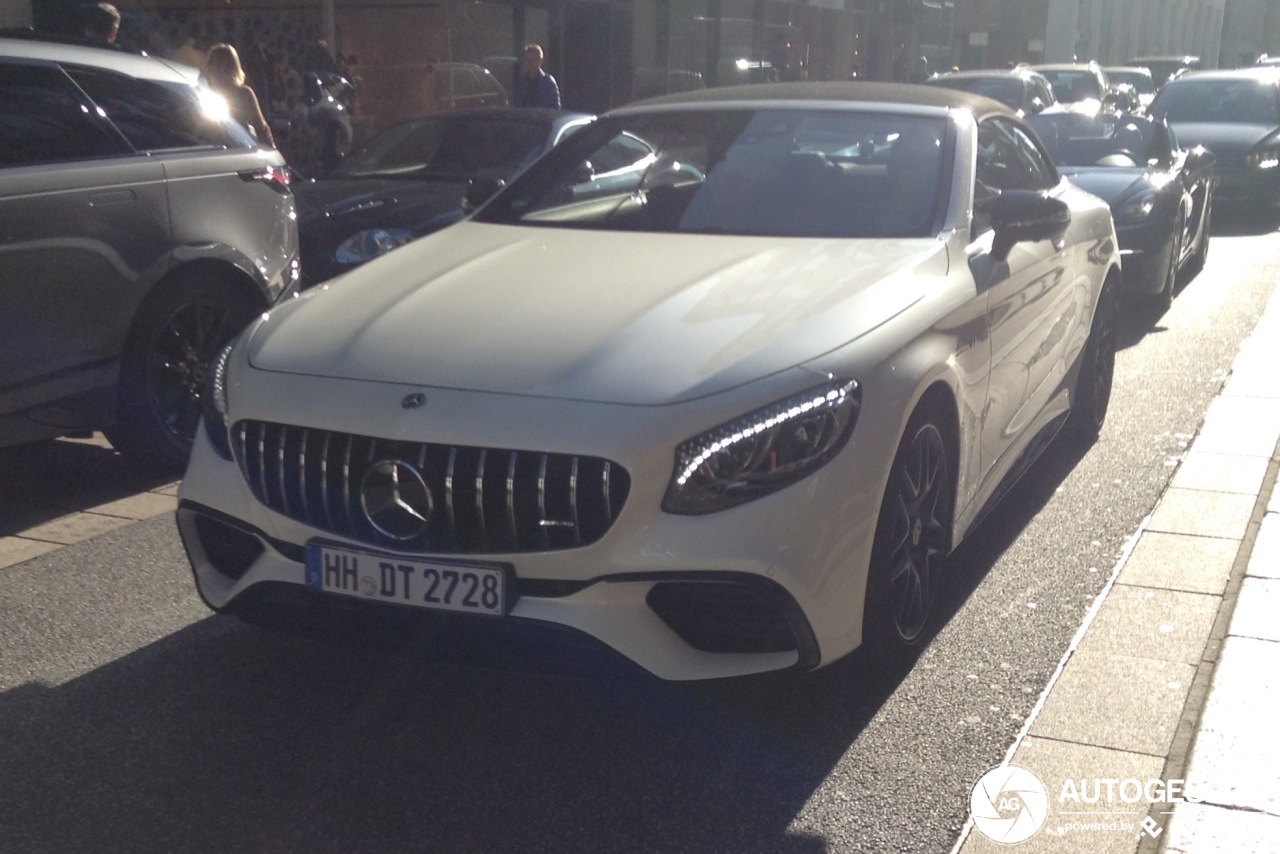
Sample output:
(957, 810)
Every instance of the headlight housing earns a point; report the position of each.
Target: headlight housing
(1137, 208)
(763, 451)
(369, 244)
(215, 403)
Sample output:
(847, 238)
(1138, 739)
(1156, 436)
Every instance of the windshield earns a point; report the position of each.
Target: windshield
(1106, 140)
(1230, 101)
(1140, 82)
(1006, 90)
(447, 148)
(778, 173)
(1073, 86)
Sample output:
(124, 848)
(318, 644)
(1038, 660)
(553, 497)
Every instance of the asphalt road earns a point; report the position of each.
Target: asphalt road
(132, 720)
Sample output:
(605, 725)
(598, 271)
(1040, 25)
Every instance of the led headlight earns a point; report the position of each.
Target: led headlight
(1138, 208)
(1266, 157)
(369, 244)
(764, 451)
(215, 404)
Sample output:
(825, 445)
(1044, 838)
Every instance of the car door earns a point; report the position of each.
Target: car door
(82, 219)
(1030, 299)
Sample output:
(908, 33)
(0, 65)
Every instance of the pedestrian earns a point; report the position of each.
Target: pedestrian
(102, 23)
(225, 76)
(533, 86)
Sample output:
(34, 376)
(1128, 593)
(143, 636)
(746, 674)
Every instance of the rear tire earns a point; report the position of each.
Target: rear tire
(177, 333)
(912, 541)
(1164, 299)
(1092, 394)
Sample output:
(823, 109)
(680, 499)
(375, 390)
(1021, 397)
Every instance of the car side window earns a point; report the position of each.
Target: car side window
(1007, 160)
(43, 119)
(155, 116)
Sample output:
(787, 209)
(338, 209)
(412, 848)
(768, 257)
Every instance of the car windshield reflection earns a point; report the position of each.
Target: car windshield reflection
(1105, 140)
(742, 172)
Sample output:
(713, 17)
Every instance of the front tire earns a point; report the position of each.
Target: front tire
(162, 375)
(1092, 395)
(912, 541)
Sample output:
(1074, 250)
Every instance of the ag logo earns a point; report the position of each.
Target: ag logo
(1009, 804)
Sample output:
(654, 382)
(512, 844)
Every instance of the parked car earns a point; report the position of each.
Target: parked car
(1236, 115)
(731, 417)
(1161, 195)
(140, 228)
(1138, 80)
(462, 85)
(1165, 68)
(410, 180)
(1080, 87)
(1020, 89)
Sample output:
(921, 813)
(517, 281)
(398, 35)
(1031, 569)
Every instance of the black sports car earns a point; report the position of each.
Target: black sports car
(409, 180)
(1236, 115)
(1160, 195)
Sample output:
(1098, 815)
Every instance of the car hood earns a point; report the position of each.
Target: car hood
(1111, 184)
(1224, 140)
(610, 317)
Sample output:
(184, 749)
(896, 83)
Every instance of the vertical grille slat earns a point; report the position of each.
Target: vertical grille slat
(484, 539)
(511, 498)
(522, 501)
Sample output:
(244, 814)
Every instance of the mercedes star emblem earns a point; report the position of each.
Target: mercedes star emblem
(396, 499)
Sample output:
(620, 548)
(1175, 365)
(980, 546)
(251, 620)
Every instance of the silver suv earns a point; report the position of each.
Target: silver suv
(140, 229)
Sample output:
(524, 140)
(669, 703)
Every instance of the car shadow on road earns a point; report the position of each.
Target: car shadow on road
(43, 481)
(227, 737)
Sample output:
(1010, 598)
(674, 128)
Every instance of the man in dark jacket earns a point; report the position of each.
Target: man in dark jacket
(533, 86)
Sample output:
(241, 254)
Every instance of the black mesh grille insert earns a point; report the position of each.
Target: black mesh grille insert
(477, 500)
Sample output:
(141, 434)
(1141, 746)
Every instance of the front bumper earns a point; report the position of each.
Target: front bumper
(776, 583)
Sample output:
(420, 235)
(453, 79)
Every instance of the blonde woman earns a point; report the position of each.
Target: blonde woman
(226, 77)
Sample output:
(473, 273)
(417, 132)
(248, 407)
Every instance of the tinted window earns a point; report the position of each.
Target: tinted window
(447, 148)
(1105, 140)
(155, 116)
(1006, 90)
(43, 119)
(1007, 160)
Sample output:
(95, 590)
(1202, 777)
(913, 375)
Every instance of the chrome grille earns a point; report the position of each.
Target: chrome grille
(485, 500)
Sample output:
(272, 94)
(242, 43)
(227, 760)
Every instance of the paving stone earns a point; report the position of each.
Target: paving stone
(1253, 381)
(144, 505)
(1264, 560)
(1221, 472)
(76, 528)
(1207, 829)
(1146, 623)
(1230, 436)
(1116, 701)
(1236, 752)
(1180, 562)
(15, 550)
(1257, 609)
(1205, 514)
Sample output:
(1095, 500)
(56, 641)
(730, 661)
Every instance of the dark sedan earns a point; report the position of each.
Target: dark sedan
(410, 179)
(1161, 195)
(1236, 115)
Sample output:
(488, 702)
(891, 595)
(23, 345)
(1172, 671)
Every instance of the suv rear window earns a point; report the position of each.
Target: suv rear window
(155, 116)
(43, 120)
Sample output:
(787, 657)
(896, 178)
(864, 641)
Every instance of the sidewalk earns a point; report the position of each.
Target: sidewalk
(1175, 674)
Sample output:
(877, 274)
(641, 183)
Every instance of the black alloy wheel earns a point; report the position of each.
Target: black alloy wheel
(1092, 395)
(1169, 284)
(912, 541)
(165, 368)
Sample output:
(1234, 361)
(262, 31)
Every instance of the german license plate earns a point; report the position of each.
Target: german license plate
(467, 587)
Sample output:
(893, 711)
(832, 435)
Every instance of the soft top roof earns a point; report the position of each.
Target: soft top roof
(876, 93)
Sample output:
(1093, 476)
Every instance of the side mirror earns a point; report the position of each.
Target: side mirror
(1025, 216)
(1200, 158)
(479, 191)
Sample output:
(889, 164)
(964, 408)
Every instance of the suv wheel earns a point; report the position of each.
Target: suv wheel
(162, 376)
